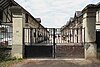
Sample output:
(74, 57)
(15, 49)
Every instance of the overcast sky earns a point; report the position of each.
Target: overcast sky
(54, 13)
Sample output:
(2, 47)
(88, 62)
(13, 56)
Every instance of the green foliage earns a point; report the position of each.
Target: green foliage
(6, 59)
(20, 58)
(5, 54)
(10, 62)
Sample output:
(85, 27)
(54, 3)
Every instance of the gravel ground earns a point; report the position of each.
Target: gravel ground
(57, 63)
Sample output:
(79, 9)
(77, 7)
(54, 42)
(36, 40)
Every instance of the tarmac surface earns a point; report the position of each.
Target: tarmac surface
(57, 63)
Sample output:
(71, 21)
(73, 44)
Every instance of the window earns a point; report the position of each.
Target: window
(98, 16)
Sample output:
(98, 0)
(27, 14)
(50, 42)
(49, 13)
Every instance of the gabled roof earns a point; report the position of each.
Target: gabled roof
(6, 3)
(9, 3)
(77, 13)
(90, 6)
(98, 5)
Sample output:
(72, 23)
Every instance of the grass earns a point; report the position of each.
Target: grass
(9, 62)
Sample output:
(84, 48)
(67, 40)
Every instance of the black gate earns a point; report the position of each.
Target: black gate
(98, 38)
(98, 43)
(54, 42)
(37, 43)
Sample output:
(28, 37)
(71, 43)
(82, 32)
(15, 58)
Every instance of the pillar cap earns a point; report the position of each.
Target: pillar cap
(89, 8)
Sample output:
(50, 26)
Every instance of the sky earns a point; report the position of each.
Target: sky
(54, 13)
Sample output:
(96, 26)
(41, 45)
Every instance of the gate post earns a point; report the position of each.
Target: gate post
(54, 45)
(18, 24)
(89, 23)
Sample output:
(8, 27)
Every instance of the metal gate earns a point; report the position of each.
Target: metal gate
(98, 42)
(54, 42)
(5, 35)
(98, 38)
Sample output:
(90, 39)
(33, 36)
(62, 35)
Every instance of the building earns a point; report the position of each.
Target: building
(77, 22)
(98, 16)
(74, 28)
(10, 12)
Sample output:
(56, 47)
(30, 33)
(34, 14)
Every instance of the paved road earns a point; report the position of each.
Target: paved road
(57, 63)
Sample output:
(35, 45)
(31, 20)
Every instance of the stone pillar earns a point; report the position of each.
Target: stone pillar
(18, 24)
(89, 23)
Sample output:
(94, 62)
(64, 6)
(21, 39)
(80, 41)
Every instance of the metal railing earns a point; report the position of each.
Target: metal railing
(5, 35)
(33, 36)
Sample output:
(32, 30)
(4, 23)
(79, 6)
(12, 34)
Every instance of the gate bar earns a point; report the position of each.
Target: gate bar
(54, 45)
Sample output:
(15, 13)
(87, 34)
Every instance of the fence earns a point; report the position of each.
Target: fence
(50, 35)
(5, 35)
(54, 42)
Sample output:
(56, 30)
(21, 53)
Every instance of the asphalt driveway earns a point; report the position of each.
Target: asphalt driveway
(57, 63)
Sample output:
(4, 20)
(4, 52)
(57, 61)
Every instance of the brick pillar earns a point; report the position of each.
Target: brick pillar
(18, 24)
(89, 22)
